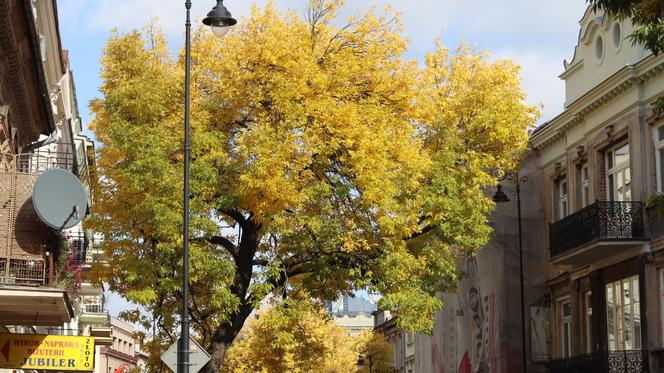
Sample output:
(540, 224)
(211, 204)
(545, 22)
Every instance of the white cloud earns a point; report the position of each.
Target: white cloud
(539, 78)
(537, 35)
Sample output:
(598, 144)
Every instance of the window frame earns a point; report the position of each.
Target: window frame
(584, 185)
(621, 331)
(563, 323)
(660, 275)
(561, 199)
(588, 321)
(613, 169)
(659, 146)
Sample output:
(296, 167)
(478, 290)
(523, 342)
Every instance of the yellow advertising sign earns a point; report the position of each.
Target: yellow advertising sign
(46, 352)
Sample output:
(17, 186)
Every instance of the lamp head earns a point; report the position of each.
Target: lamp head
(219, 19)
(500, 196)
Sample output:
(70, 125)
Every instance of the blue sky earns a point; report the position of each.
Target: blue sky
(538, 35)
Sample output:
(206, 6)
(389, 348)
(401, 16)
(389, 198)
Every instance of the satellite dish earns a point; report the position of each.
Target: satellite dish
(59, 199)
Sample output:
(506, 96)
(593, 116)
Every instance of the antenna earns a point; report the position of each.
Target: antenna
(59, 199)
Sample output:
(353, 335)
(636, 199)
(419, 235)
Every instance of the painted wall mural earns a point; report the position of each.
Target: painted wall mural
(539, 332)
(465, 338)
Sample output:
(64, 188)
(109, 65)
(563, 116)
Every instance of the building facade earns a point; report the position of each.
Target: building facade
(404, 344)
(592, 250)
(120, 356)
(599, 162)
(30, 63)
(41, 269)
(353, 314)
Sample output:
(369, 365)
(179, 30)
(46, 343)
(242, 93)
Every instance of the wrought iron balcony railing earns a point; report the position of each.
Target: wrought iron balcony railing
(605, 220)
(80, 248)
(591, 363)
(44, 159)
(622, 361)
(23, 272)
(39, 162)
(95, 308)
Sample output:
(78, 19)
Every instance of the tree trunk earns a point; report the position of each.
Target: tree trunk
(223, 339)
(225, 335)
(218, 352)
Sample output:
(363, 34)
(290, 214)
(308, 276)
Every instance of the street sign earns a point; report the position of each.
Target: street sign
(46, 352)
(198, 357)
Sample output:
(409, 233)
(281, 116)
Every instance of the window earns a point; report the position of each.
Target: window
(661, 299)
(599, 48)
(588, 321)
(623, 314)
(618, 176)
(584, 185)
(565, 327)
(42, 47)
(617, 35)
(563, 204)
(659, 157)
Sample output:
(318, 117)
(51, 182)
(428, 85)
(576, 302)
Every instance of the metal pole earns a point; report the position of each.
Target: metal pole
(523, 315)
(183, 345)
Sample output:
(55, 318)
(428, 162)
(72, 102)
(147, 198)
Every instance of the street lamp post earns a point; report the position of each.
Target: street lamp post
(361, 362)
(220, 20)
(501, 197)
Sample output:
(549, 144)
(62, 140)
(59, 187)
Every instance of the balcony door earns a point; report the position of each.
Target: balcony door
(565, 327)
(618, 174)
(623, 314)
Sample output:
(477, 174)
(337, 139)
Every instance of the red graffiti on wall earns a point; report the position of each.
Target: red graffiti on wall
(465, 366)
(490, 304)
(436, 363)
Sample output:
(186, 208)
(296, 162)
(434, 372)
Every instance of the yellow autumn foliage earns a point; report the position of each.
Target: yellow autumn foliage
(323, 159)
(296, 337)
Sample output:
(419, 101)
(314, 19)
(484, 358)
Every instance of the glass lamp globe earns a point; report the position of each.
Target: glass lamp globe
(219, 19)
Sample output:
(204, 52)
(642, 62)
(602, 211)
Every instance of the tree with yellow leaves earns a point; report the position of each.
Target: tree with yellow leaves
(322, 159)
(375, 353)
(292, 336)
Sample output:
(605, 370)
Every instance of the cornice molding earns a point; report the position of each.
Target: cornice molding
(621, 81)
(9, 45)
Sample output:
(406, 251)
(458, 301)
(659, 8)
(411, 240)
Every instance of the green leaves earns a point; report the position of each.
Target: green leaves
(323, 161)
(646, 15)
(293, 336)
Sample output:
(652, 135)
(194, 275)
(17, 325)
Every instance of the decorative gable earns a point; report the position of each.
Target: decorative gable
(603, 48)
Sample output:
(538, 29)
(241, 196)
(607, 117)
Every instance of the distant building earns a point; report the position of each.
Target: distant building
(353, 314)
(404, 344)
(142, 356)
(121, 355)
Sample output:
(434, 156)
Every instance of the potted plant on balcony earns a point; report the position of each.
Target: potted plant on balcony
(655, 210)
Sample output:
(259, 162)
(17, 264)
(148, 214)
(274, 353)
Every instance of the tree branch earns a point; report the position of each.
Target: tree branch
(224, 242)
(260, 262)
(235, 215)
(424, 231)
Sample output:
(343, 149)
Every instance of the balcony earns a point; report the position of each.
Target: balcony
(93, 314)
(626, 361)
(599, 230)
(21, 305)
(40, 161)
(25, 241)
(27, 245)
(95, 309)
(82, 249)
